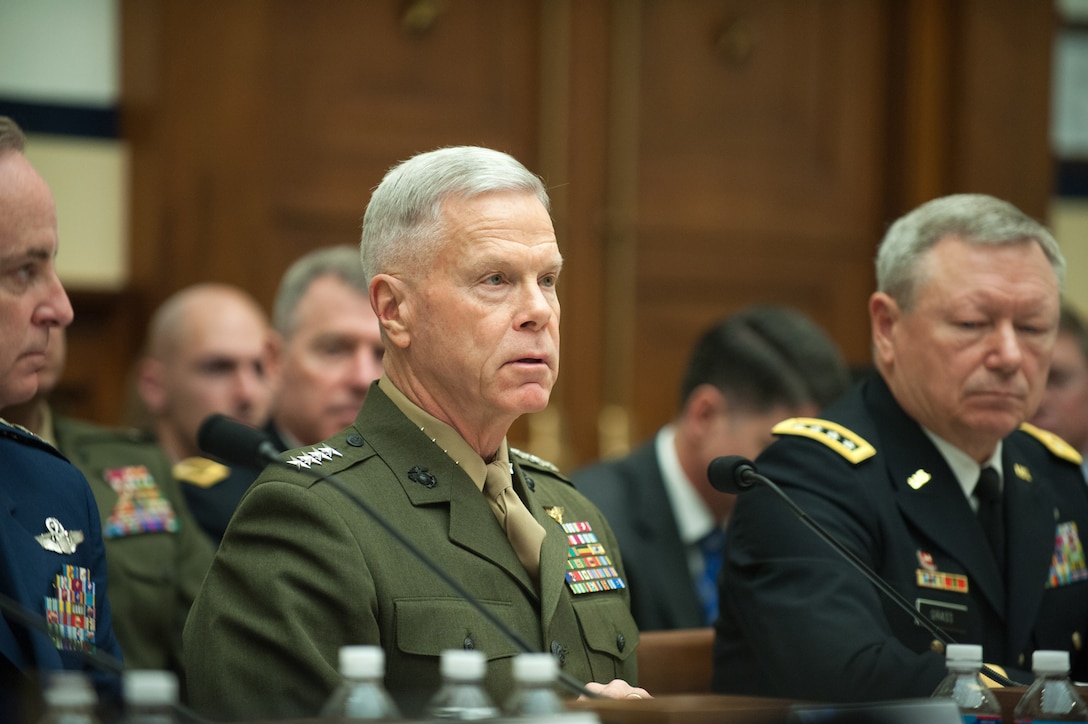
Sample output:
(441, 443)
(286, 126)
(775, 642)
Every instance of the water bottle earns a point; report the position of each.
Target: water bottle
(361, 695)
(534, 694)
(462, 695)
(965, 687)
(69, 699)
(1051, 697)
(151, 697)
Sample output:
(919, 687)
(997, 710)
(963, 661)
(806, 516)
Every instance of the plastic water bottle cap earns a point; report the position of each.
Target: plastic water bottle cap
(537, 668)
(463, 664)
(149, 687)
(362, 662)
(70, 688)
(963, 655)
(1050, 662)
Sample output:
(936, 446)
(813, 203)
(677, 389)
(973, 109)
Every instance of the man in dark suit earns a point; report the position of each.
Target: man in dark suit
(927, 474)
(52, 562)
(746, 373)
(463, 263)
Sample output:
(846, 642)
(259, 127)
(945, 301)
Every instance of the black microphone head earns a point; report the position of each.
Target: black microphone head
(234, 442)
(727, 473)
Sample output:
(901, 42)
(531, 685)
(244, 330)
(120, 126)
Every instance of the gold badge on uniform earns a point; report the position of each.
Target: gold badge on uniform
(918, 478)
(201, 472)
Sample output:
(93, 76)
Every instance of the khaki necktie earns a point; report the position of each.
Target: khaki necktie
(525, 534)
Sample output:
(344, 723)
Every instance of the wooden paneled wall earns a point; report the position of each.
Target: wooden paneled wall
(702, 154)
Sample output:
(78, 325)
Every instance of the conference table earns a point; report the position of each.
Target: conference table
(715, 708)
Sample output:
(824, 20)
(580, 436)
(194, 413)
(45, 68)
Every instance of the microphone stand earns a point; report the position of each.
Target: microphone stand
(886, 588)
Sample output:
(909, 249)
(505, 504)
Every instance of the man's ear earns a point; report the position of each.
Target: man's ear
(884, 315)
(704, 406)
(149, 384)
(389, 299)
(273, 357)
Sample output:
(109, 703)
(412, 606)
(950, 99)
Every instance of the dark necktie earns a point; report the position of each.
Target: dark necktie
(991, 512)
(711, 547)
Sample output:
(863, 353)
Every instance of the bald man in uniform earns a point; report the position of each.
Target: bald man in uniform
(207, 353)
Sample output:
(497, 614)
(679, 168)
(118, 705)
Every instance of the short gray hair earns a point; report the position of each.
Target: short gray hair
(12, 137)
(339, 261)
(975, 218)
(403, 223)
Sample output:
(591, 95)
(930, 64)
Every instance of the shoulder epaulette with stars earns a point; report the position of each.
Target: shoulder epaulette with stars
(534, 461)
(1053, 443)
(845, 442)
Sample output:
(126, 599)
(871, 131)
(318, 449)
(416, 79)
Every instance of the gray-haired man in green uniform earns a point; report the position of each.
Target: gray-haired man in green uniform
(463, 264)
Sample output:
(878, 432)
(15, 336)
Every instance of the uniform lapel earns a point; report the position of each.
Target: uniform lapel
(1030, 520)
(553, 551)
(417, 462)
(933, 501)
(474, 526)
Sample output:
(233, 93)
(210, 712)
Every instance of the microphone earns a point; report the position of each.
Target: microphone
(735, 474)
(732, 474)
(237, 443)
(230, 440)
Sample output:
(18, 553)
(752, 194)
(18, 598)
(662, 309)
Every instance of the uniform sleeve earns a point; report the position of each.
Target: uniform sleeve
(288, 585)
(794, 612)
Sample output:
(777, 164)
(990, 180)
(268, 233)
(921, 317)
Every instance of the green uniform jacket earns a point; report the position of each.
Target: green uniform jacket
(154, 574)
(302, 571)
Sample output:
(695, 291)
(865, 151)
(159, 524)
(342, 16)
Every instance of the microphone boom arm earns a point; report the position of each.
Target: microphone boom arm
(885, 587)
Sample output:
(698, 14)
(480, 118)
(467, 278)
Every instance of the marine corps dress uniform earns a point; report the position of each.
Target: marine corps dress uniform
(157, 554)
(302, 571)
(797, 621)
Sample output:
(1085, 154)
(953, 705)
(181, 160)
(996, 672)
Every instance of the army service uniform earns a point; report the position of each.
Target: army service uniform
(157, 555)
(302, 570)
(798, 622)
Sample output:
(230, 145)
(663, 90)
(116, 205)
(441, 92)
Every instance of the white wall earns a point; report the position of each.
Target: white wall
(66, 52)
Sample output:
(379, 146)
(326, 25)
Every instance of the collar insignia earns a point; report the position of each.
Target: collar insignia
(918, 478)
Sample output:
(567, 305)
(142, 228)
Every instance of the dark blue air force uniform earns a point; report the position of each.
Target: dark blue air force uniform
(46, 508)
